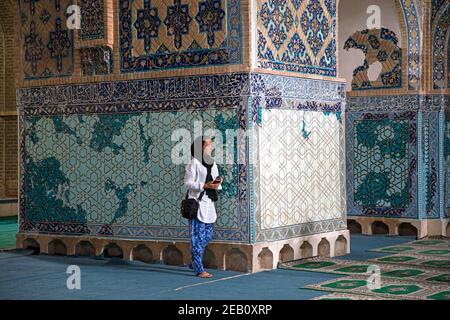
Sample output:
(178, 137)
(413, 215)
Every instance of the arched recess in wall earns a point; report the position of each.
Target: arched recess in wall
(400, 18)
(440, 49)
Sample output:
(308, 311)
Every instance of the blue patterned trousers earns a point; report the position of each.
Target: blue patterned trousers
(201, 233)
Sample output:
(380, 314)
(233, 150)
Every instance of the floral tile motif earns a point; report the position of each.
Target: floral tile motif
(173, 34)
(92, 23)
(147, 24)
(382, 164)
(47, 43)
(298, 36)
(315, 26)
(210, 17)
(378, 45)
(177, 22)
(107, 174)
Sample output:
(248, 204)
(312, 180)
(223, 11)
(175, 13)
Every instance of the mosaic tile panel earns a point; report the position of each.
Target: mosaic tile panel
(382, 164)
(299, 177)
(112, 174)
(431, 164)
(378, 45)
(322, 101)
(426, 170)
(92, 21)
(47, 44)
(297, 145)
(96, 60)
(70, 130)
(170, 34)
(298, 36)
(139, 95)
(122, 95)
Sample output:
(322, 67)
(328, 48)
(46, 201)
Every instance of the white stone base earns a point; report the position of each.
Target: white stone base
(425, 228)
(225, 256)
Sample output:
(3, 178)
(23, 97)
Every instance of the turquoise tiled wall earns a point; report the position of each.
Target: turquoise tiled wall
(394, 152)
(95, 159)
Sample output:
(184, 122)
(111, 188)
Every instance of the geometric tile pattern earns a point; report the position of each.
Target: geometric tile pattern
(427, 176)
(286, 195)
(46, 42)
(172, 34)
(382, 164)
(321, 102)
(113, 174)
(297, 36)
(114, 130)
(299, 178)
(92, 22)
(379, 45)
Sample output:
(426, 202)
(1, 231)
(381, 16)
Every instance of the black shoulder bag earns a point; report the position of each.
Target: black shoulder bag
(189, 207)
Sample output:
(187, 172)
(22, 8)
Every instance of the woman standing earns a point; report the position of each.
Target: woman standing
(202, 181)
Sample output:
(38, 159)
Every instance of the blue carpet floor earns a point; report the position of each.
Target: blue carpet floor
(360, 244)
(26, 276)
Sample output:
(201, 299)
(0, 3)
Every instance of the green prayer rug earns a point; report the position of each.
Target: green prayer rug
(348, 296)
(416, 273)
(388, 288)
(413, 260)
(430, 247)
(418, 270)
(444, 295)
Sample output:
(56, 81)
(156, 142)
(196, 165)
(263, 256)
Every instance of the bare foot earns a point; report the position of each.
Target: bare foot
(204, 274)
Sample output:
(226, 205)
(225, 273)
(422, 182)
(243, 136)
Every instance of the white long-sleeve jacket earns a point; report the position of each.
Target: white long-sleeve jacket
(194, 179)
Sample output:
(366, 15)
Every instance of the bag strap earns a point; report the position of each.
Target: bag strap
(199, 198)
